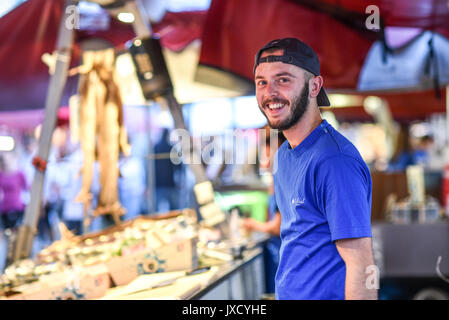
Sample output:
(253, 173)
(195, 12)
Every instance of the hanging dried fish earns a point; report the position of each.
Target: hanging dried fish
(102, 131)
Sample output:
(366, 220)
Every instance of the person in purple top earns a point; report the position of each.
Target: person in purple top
(12, 184)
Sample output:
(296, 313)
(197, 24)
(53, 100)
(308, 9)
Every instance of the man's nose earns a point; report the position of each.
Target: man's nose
(272, 89)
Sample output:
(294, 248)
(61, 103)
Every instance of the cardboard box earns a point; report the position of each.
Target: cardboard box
(179, 255)
(79, 284)
(93, 281)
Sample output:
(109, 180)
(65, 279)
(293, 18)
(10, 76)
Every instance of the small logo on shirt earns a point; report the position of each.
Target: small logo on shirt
(298, 201)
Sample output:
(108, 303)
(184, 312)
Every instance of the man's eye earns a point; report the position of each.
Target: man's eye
(261, 82)
(283, 80)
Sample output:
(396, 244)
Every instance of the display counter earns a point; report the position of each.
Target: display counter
(238, 279)
(165, 257)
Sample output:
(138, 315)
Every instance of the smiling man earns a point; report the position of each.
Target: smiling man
(322, 185)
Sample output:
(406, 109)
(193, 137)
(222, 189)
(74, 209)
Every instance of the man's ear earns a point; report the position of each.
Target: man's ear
(315, 84)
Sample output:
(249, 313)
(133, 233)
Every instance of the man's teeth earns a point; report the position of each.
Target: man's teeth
(275, 106)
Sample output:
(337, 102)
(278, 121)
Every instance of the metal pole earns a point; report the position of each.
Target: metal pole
(142, 29)
(141, 24)
(447, 117)
(27, 230)
(151, 205)
(176, 112)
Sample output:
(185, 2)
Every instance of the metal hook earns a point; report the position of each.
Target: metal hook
(439, 273)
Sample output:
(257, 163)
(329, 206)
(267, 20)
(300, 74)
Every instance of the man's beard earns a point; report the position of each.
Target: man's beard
(298, 108)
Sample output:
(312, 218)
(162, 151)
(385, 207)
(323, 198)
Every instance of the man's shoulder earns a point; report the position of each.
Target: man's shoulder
(344, 158)
(329, 146)
(335, 145)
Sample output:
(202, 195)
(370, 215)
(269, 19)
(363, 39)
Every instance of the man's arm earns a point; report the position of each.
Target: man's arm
(357, 254)
(272, 226)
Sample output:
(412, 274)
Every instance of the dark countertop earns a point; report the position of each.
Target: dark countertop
(411, 250)
(227, 269)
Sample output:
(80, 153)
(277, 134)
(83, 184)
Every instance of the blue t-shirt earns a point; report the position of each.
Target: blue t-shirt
(323, 190)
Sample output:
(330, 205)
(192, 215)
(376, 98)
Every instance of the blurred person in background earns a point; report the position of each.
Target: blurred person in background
(132, 182)
(52, 202)
(51, 212)
(167, 195)
(417, 153)
(55, 178)
(273, 224)
(72, 212)
(63, 181)
(26, 160)
(12, 187)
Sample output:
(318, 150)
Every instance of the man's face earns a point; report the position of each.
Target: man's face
(282, 92)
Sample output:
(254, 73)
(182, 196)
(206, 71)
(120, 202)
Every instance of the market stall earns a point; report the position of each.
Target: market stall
(200, 252)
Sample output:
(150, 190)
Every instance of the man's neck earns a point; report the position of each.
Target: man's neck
(309, 122)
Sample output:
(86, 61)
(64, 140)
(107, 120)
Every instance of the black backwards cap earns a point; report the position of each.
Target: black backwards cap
(296, 53)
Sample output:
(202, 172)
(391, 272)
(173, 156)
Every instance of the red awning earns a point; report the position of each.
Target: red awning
(425, 14)
(231, 32)
(405, 107)
(234, 30)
